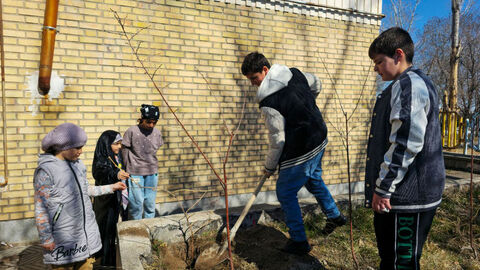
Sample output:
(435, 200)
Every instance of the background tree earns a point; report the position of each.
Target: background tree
(400, 13)
(432, 53)
(433, 56)
(469, 65)
(454, 55)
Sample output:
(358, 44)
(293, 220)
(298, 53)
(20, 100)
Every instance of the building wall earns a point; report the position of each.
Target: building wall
(199, 47)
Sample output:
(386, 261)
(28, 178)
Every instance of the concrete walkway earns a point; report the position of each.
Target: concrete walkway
(29, 256)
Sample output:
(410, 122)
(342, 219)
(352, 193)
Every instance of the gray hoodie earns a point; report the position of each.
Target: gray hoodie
(71, 218)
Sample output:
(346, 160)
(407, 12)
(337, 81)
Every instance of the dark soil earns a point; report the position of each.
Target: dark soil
(261, 245)
(264, 252)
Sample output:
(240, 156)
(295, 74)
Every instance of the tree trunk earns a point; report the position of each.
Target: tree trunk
(455, 55)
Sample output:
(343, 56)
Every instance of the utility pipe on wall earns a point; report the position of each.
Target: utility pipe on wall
(4, 181)
(48, 45)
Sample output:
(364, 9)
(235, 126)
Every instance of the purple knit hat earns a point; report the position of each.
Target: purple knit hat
(63, 137)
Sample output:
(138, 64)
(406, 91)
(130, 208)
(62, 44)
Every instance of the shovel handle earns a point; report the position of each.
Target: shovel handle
(249, 204)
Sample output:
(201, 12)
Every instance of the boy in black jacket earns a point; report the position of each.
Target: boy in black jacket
(405, 174)
(298, 137)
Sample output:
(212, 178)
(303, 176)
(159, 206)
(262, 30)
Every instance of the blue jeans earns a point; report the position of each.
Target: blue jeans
(290, 181)
(141, 195)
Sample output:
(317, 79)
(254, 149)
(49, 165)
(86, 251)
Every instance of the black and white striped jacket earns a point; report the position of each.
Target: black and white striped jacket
(404, 154)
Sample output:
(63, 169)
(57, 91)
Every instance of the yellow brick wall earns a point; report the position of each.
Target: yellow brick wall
(105, 86)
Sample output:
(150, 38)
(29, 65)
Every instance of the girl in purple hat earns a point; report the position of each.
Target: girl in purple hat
(63, 211)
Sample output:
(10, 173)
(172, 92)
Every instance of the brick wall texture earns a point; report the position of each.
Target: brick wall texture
(198, 47)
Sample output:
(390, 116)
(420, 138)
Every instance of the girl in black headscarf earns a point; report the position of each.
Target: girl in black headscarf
(107, 169)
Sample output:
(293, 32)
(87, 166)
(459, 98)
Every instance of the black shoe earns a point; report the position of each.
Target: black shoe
(333, 223)
(297, 248)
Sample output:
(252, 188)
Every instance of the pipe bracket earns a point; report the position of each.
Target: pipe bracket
(51, 28)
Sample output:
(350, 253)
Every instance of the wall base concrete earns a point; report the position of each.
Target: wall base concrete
(16, 231)
(267, 197)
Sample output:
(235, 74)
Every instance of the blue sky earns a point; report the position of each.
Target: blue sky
(431, 8)
(426, 10)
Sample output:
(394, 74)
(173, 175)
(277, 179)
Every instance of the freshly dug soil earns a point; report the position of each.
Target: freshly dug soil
(257, 247)
(261, 245)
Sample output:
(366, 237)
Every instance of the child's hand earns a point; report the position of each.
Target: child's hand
(123, 175)
(49, 247)
(267, 173)
(119, 186)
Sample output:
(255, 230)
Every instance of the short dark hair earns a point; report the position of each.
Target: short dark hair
(254, 62)
(390, 40)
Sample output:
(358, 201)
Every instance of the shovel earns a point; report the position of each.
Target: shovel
(215, 254)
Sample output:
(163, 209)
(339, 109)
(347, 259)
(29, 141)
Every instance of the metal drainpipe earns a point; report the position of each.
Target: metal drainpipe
(4, 109)
(48, 45)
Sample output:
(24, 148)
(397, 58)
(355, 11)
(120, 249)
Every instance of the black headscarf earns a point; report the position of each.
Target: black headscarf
(103, 169)
(107, 207)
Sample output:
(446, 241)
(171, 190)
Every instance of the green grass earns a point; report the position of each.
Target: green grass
(447, 247)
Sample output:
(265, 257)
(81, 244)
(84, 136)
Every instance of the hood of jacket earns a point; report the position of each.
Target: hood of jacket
(46, 158)
(276, 79)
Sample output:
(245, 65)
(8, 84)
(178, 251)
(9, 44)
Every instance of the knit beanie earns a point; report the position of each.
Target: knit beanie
(149, 112)
(64, 137)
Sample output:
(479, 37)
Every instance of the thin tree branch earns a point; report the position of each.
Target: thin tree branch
(361, 93)
(138, 32)
(333, 83)
(166, 102)
(413, 15)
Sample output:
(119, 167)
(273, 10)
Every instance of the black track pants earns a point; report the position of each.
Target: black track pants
(400, 238)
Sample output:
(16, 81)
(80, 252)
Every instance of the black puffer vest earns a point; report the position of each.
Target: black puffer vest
(305, 130)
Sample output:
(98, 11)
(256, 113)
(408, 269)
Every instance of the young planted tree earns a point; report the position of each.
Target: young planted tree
(189, 232)
(344, 135)
(472, 217)
(220, 176)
